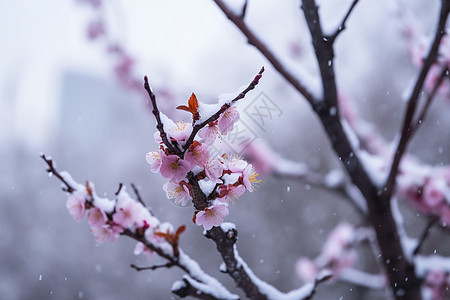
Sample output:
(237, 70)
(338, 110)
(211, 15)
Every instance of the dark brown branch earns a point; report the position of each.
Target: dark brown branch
(270, 56)
(52, 171)
(431, 222)
(225, 246)
(155, 267)
(408, 124)
(159, 124)
(215, 116)
(342, 26)
(244, 10)
(379, 210)
(138, 195)
(431, 96)
(119, 189)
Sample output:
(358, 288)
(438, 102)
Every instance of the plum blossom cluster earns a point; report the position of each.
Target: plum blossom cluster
(221, 179)
(428, 189)
(338, 254)
(437, 284)
(123, 215)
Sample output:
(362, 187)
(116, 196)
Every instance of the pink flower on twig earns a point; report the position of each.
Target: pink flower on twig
(197, 154)
(154, 159)
(211, 216)
(97, 217)
(209, 133)
(174, 168)
(127, 211)
(177, 191)
(213, 170)
(227, 120)
(76, 204)
(106, 233)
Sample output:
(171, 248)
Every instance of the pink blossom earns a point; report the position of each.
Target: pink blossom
(76, 204)
(97, 217)
(127, 211)
(142, 249)
(174, 168)
(227, 119)
(213, 170)
(95, 30)
(249, 178)
(154, 159)
(179, 131)
(197, 154)
(233, 163)
(230, 192)
(177, 191)
(209, 133)
(306, 269)
(433, 192)
(106, 233)
(211, 216)
(338, 241)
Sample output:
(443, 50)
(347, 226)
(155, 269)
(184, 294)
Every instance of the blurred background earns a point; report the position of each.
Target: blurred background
(70, 87)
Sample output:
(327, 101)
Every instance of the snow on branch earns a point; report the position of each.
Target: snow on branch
(128, 217)
(225, 238)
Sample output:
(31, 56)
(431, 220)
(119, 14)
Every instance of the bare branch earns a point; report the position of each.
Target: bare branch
(119, 189)
(244, 10)
(431, 222)
(155, 267)
(341, 27)
(52, 171)
(138, 195)
(259, 44)
(215, 116)
(431, 96)
(159, 124)
(407, 127)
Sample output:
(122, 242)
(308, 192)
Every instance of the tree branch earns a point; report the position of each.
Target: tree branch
(159, 124)
(407, 127)
(270, 56)
(342, 26)
(425, 233)
(52, 171)
(224, 107)
(431, 96)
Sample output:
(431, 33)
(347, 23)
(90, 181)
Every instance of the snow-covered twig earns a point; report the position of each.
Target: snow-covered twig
(165, 244)
(225, 238)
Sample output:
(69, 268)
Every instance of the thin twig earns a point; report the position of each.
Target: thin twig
(407, 126)
(155, 267)
(224, 107)
(159, 124)
(431, 96)
(244, 10)
(119, 189)
(264, 50)
(341, 27)
(431, 222)
(138, 195)
(52, 170)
